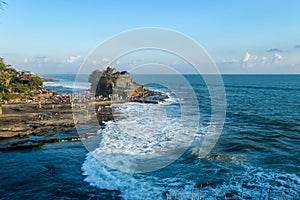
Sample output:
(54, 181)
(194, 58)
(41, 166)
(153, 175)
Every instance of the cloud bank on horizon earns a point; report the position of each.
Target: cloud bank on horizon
(272, 61)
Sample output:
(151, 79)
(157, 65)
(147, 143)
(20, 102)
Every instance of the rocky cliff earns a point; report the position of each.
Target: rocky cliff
(114, 85)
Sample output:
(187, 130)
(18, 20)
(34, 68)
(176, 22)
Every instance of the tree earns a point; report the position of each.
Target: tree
(103, 82)
(5, 79)
(13, 81)
(11, 70)
(35, 82)
(2, 67)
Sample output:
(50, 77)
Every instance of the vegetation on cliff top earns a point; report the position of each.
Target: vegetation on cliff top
(107, 82)
(103, 82)
(14, 84)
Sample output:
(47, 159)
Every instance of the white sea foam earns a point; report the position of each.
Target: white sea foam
(145, 132)
(145, 137)
(71, 85)
(255, 183)
(131, 186)
(140, 137)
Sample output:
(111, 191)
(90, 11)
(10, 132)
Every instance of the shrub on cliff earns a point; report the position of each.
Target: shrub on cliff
(35, 82)
(117, 84)
(13, 81)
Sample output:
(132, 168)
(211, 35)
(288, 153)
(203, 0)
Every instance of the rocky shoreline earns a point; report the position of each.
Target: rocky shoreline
(32, 122)
(26, 125)
(20, 121)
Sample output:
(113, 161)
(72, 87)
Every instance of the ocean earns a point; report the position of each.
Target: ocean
(257, 155)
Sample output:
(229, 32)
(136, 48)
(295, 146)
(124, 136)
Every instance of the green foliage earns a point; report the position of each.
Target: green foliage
(35, 82)
(9, 96)
(5, 79)
(115, 78)
(103, 82)
(19, 88)
(14, 84)
(11, 70)
(2, 67)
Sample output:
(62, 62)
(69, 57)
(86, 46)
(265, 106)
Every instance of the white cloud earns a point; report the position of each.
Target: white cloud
(25, 60)
(251, 60)
(98, 61)
(42, 58)
(264, 60)
(277, 58)
(90, 61)
(73, 59)
(106, 60)
(247, 57)
(235, 60)
(118, 62)
(94, 62)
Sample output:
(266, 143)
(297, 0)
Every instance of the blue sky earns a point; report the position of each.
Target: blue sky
(55, 36)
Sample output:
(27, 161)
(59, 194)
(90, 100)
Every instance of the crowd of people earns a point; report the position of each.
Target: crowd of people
(45, 116)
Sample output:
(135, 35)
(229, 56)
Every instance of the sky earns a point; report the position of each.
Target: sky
(56, 36)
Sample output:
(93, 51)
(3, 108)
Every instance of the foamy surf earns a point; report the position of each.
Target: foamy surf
(240, 180)
(145, 137)
(134, 142)
(131, 186)
(141, 130)
(70, 85)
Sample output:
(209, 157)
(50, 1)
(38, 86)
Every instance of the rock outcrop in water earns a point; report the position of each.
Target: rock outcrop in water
(113, 85)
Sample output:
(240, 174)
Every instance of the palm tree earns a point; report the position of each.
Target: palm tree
(5, 79)
(2, 67)
(12, 71)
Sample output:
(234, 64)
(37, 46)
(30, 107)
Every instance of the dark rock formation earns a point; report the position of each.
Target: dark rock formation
(49, 80)
(114, 85)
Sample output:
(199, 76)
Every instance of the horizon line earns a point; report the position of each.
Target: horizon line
(183, 74)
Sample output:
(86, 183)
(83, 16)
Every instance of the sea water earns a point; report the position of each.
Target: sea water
(257, 156)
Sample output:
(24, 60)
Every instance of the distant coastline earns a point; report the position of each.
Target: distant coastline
(46, 79)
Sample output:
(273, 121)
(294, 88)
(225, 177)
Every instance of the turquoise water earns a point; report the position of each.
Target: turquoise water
(257, 154)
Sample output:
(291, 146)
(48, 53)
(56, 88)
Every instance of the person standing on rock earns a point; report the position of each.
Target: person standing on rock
(39, 105)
